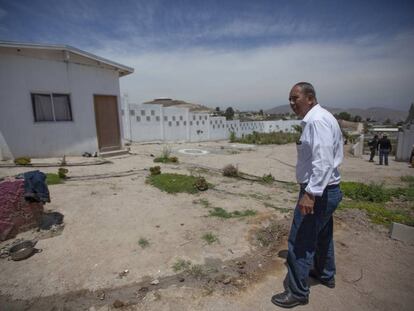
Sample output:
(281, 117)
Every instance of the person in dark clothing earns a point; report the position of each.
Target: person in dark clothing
(373, 147)
(385, 148)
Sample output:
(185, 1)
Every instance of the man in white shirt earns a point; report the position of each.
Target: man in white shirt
(320, 152)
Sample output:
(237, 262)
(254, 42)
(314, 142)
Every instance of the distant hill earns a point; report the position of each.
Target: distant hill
(374, 113)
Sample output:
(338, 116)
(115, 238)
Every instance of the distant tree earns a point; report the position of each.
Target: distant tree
(217, 109)
(387, 121)
(261, 112)
(410, 118)
(357, 119)
(344, 116)
(229, 113)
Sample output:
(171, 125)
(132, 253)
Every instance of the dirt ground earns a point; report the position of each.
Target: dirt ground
(108, 208)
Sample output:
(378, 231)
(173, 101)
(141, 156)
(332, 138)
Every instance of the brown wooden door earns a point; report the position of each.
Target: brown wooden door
(107, 122)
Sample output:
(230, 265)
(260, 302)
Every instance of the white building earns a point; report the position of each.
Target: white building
(405, 143)
(57, 100)
(156, 122)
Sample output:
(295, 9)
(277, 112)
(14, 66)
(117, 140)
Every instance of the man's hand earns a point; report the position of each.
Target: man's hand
(306, 204)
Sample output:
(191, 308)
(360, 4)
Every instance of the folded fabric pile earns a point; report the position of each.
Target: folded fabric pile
(21, 203)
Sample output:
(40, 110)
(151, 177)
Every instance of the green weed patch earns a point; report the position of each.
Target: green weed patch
(173, 183)
(277, 138)
(53, 179)
(378, 213)
(373, 200)
(222, 213)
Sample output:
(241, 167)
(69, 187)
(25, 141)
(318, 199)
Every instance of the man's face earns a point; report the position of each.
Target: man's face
(299, 102)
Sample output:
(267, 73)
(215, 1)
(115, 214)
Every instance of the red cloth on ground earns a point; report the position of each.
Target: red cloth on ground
(16, 214)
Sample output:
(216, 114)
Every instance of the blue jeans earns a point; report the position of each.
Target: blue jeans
(311, 242)
(383, 154)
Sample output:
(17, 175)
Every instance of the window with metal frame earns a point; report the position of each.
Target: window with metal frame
(51, 107)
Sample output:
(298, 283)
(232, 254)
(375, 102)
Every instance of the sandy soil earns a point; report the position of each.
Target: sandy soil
(105, 218)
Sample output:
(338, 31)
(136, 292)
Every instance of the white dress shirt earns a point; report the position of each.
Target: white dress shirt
(320, 151)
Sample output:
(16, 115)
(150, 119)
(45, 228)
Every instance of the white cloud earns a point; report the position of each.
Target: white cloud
(355, 74)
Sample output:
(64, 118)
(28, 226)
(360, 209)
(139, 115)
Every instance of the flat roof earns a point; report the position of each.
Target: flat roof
(124, 70)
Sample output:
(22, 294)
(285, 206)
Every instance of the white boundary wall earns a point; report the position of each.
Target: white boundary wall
(152, 122)
(405, 143)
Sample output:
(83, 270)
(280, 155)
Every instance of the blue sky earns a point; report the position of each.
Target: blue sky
(244, 54)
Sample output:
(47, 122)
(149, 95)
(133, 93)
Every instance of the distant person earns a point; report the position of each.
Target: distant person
(384, 145)
(373, 147)
(310, 244)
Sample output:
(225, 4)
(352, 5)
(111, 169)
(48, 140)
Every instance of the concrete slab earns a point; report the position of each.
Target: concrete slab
(402, 233)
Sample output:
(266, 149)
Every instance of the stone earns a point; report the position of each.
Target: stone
(402, 233)
(227, 281)
(155, 282)
(219, 278)
(123, 273)
(118, 304)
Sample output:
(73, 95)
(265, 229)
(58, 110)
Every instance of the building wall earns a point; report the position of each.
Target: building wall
(180, 124)
(405, 143)
(22, 75)
(143, 122)
(175, 124)
(218, 129)
(199, 126)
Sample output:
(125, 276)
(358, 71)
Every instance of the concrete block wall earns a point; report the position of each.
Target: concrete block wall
(157, 123)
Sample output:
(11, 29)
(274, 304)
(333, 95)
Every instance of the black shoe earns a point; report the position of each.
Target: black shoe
(328, 283)
(287, 300)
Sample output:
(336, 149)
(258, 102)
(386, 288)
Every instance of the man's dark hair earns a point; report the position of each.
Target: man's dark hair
(307, 88)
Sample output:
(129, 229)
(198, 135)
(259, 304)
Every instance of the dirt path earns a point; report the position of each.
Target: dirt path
(106, 217)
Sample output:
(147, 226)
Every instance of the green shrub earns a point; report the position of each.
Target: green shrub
(232, 137)
(166, 160)
(63, 161)
(201, 184)
(268, 178)
(22, 161)
(230, 171)
(62, 172)
(181, 265)
(210, 238)
(166, 152)
(155, 170)
(143, 242)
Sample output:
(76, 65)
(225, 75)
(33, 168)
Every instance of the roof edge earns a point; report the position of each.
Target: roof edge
(68, 48)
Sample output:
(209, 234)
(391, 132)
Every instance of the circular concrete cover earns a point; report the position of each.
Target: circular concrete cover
(193, 151)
